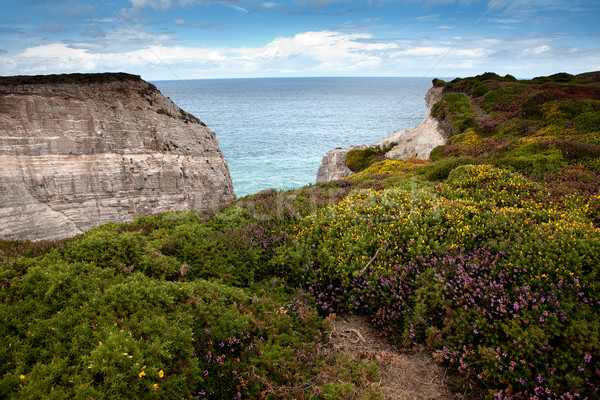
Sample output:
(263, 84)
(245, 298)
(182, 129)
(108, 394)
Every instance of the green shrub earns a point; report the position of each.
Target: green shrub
(438, 82)
(437, 153)
(441, 169)
(480, 90)
(457, 106)
(456, 103)
(587, 122)
(572, 150)
(534, 159)
(559, 77)
(464, 121)
(517, 127)
(360, 159)
(232, 217)
(504, 94)
(561, 111)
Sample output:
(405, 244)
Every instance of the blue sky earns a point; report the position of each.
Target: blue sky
(196, 39)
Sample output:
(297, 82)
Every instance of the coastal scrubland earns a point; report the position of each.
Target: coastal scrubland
(486, 256)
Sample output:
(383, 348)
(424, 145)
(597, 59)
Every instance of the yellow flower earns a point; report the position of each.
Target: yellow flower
(22, 377)
(155, 386)
(161, 373)
(141, 374)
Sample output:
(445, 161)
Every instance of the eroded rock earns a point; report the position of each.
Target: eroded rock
(77, 153)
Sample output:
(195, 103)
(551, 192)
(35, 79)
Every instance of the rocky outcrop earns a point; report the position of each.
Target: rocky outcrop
(416, 142)
(333, 166)
(77, 151)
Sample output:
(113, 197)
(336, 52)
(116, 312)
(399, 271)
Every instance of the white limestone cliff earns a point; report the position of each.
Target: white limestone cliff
(79, 152)
(416, 142)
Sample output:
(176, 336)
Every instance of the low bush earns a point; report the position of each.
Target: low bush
(562, 111)
(486, 254)
(572, 150)
(480, 90)
(483, 269)
(507, 93)
(457, 106)
(440, 170)
(360, 159)
(587, 122)
(533, 159)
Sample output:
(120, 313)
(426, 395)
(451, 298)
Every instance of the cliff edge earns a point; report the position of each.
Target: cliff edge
(416, 142)
(81, 150)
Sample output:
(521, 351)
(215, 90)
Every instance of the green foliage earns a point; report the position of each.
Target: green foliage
(561, 77)
(438, 82)
(587, 122)
(480, 90)
(437, 153)
(486, 254)
(562, 111)
(534, 159)
(456, 103)
(71, 78)
(573, 150)
(504, 94)
(360, 159)
(458, 107)
(440, 170)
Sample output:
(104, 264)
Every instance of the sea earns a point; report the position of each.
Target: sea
(275, 131)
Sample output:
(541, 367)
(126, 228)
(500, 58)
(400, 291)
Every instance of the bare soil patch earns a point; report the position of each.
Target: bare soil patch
(403, 376)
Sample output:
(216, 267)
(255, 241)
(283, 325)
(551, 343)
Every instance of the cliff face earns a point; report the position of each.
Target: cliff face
(416, 142)
(333, 165)
(77, 154)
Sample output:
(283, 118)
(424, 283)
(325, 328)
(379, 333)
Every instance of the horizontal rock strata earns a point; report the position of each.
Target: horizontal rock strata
(77, 153)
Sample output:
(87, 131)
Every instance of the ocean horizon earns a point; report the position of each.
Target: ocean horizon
(275, 131)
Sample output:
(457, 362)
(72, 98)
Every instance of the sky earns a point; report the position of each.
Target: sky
(206, 39)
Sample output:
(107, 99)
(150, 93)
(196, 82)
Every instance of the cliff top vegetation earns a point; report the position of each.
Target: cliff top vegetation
(485, 256)
(69, 78)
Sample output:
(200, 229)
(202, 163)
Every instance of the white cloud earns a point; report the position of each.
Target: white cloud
(321, 51)
(315, 53)
(428, 17)
(541, 49)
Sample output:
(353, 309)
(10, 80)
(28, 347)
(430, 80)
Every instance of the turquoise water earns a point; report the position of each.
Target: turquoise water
(274, 132)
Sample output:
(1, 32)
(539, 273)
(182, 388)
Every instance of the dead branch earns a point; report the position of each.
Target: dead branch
(370, 261)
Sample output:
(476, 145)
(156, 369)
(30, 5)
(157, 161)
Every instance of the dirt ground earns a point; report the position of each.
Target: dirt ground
(402, 376)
